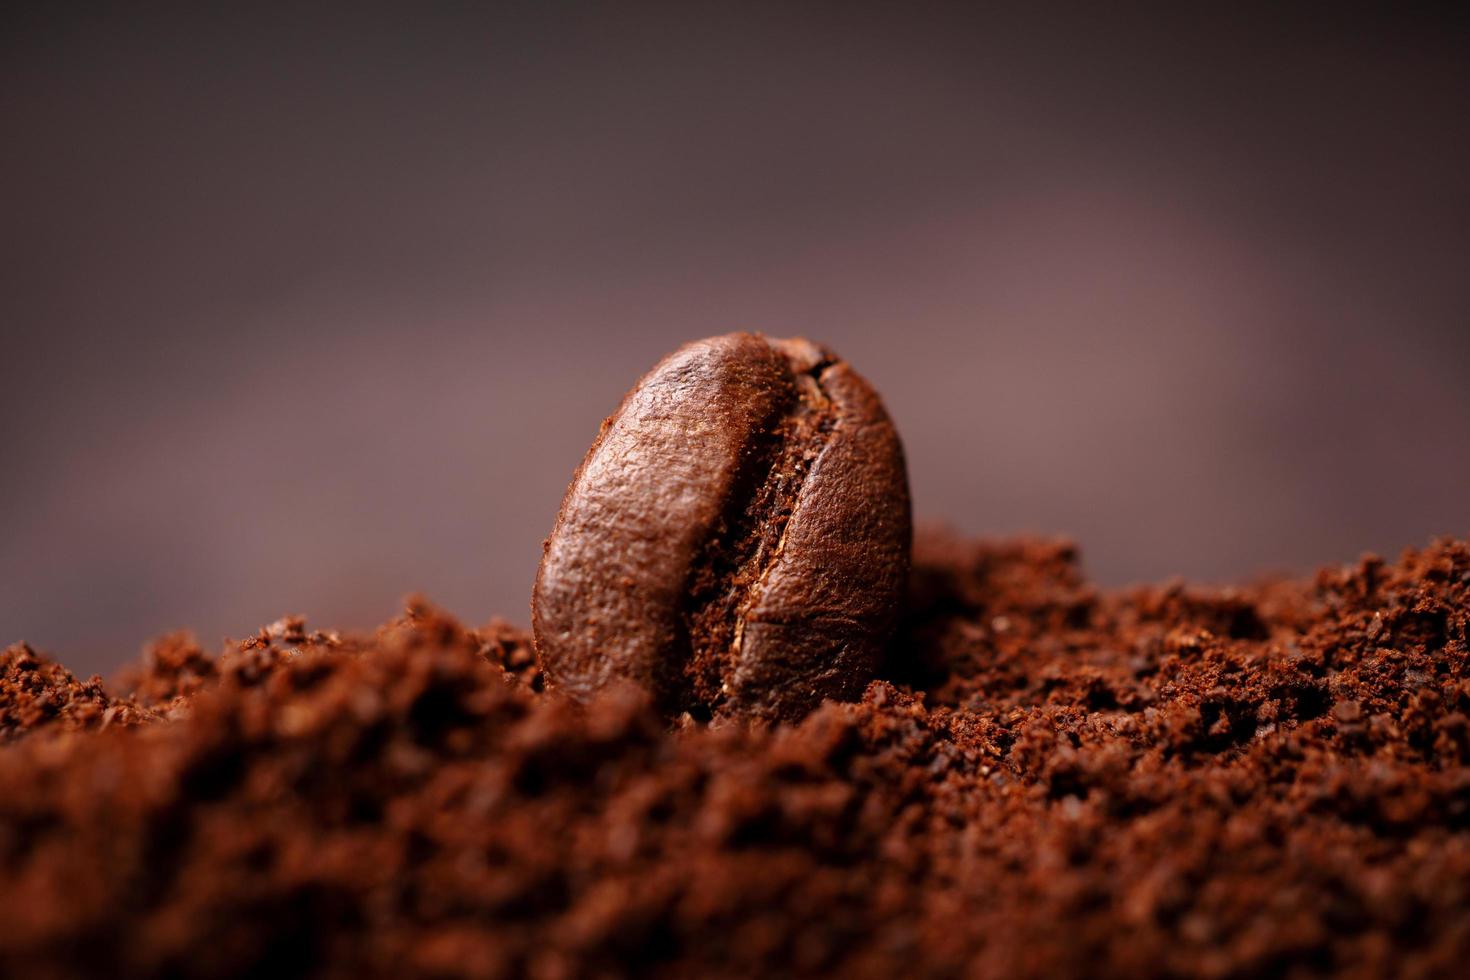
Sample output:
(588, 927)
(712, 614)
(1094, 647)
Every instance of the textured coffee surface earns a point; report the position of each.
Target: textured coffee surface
(737, 539)
(1045, 780)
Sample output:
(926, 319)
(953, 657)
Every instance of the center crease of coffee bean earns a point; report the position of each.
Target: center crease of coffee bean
(725, 582)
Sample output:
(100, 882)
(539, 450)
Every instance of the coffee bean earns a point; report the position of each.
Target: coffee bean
(737, 539)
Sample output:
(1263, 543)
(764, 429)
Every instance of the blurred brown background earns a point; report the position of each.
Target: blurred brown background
(303, 311)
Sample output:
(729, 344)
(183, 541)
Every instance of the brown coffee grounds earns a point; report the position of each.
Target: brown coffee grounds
(36, 693)
(1047, 780)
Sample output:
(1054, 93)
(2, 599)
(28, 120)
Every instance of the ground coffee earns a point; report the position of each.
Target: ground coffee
(1044, 780)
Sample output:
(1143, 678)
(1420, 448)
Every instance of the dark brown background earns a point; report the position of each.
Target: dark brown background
(304, 311)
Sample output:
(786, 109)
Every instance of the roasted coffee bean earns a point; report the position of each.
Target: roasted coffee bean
(737, 539)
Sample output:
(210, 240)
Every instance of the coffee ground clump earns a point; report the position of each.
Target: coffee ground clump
(1046, 779)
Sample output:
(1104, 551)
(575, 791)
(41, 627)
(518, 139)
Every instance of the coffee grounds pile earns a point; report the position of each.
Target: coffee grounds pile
(1045, 780)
